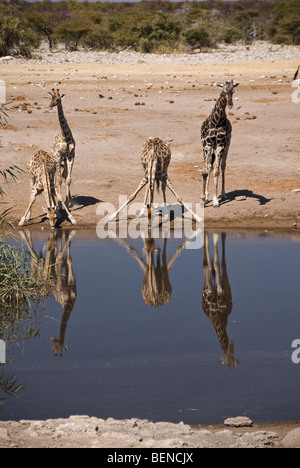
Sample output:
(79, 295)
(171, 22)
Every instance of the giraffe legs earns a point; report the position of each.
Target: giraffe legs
(223, 168)
(130, 199)
(221, 155)
(208, 162)
(179, 199)
(168, 184)
(33, 195)
(220, 161)
(61, 201)
(69, 200)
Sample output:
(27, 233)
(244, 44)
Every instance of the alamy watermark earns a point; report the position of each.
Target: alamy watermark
(2, 352)
(296, 353)
(296, 93)
(133, 222)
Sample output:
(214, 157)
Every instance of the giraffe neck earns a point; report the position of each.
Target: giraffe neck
(219, 111)
(63, 123)
(46, 183)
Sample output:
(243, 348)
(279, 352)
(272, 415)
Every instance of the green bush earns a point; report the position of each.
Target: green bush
(231, 35)
(17, 287)
(285, 25)
(161, 30)
(197, 37)
(14, 35)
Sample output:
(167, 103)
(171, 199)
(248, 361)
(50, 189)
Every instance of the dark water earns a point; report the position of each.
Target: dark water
(159, 332)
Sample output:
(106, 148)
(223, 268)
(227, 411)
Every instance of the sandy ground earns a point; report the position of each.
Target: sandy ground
(263, 162)
(168, 101)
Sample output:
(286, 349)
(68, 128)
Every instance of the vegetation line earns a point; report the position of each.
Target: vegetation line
(156, 26)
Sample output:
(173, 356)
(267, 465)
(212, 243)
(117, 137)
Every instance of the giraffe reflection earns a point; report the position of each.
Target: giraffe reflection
(56, 268)
(156, 288)
(216, 296)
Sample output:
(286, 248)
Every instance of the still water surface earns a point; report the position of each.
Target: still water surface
(153, 330)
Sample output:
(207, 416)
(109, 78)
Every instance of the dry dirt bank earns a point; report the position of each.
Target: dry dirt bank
(86, 432)
(170, 101)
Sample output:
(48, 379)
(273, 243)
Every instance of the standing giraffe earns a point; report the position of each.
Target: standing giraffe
(216, 296)
(43, 168)
(56, 269)
(64, 144)
(156, 157)
(216, 136)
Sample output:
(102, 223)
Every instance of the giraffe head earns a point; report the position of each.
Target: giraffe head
(51, 215)
(55, 98)
(228, 90)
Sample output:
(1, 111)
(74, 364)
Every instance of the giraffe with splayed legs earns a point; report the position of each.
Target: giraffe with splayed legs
(216, 136)
(156, 157)
(43, 168)
(63, 146)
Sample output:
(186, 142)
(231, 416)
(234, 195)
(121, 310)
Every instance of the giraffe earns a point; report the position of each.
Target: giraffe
(63, 147)
(43, 167)
(65, 291)
(216, 137)
(156, 157)
(156, 288)
(55, 267)
(216, 296)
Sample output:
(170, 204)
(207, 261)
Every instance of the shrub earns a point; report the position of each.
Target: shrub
(285, 25)
(197, 37)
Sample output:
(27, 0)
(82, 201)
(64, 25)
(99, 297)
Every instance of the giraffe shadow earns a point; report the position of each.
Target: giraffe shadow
(231, 196)
(81, 201)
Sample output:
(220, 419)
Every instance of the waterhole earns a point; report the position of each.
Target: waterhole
(150, 329)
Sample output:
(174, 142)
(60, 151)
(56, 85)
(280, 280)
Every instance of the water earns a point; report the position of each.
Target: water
(161, 341)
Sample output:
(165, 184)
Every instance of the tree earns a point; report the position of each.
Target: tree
(285, 25)
(42, 23)
(15, 36)
(72, 30)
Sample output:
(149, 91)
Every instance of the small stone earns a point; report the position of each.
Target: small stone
(241, 198)
(240, 421)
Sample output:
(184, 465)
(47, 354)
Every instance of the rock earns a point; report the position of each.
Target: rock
(240, 421)
(292, 439)
(7, 58)
(4, 435)
(241, 198)
(296, 190)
